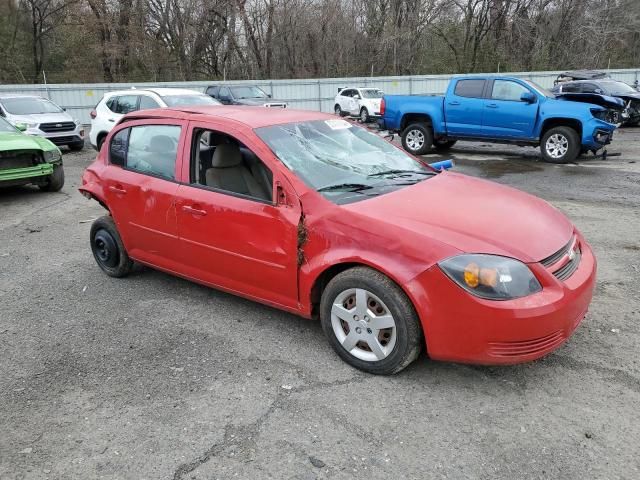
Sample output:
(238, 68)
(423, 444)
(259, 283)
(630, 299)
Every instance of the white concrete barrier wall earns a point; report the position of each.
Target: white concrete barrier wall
(308, 94)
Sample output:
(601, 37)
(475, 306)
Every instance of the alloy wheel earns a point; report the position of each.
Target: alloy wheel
(557, 145)
(415, 139)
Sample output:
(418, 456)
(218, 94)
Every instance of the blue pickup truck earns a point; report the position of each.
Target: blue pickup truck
(501, 110)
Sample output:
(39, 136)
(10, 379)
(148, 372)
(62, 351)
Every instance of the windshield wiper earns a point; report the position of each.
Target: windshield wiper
(352, 187)
(401, 173)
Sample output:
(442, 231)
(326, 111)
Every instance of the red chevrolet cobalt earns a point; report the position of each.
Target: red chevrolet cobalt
(311, 214)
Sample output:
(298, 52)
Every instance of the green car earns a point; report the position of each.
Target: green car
(27, 159)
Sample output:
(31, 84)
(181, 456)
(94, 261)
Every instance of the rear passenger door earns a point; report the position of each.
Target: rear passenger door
(140, 185)
(235, 231)
(464, 108)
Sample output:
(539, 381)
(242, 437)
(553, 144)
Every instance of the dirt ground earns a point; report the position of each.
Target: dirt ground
(153, 377)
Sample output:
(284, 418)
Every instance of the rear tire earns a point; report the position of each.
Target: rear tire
(364, 115)
(417, 138)
(443, 145)
(55, 181)
(108, 249)
(377, 313)
(560, 145)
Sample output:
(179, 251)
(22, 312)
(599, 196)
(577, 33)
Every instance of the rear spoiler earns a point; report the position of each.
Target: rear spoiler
(603, 100)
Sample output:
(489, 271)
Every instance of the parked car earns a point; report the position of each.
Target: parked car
(580, 75)
(630, 116)
(114, 105)
(358, 102)
(322, 218)
(27, 159)
(244, 95)
(502, 110)
(43, 118)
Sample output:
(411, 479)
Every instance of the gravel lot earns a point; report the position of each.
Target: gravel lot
(153, 377)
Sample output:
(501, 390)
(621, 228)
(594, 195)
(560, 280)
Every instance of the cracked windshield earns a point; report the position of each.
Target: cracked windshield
(344, 162)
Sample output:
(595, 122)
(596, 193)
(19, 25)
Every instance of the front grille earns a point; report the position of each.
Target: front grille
(58, 127)
(570, 267)
(19, 159)
(555, 257)
(526, 347)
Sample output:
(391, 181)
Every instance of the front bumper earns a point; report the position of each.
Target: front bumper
(66, 137)
(462, 328)
(13, 174)
(596, 134)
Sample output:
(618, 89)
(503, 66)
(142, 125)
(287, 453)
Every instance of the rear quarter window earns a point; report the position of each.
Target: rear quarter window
(469, 88)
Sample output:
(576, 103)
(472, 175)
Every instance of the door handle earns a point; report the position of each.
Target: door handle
(111, 119)
(117, 189)
(193, 210)
(454, 103)
(492, 105)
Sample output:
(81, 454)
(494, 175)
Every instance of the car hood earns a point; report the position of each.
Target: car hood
(473, 216)
(593, 98)
(42, 118)
(19, 141)
(629, 96)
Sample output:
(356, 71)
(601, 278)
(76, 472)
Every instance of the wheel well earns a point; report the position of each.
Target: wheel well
(561, 122)
(323, 279)
(101, 136)
(410, 118)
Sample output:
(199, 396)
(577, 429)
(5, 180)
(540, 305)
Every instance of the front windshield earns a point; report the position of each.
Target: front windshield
(371, 93)
(618, 88)
(189, 100)
(344, 162)
(29, 106)
(541, 90)
(6, 126)
(248, 92)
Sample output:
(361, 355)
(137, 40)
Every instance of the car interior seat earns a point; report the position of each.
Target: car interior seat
(228, 173)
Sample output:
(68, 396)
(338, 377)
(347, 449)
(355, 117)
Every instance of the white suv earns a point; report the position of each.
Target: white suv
(358, 102)
(114, 105)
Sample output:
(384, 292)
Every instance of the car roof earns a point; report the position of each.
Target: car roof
(253, 117)
(163, 92)
(12, 95)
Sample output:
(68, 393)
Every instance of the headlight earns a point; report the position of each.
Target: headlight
(52, 156)
(491, 277)
(599, 113)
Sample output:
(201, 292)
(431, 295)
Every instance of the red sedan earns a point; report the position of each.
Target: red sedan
(311, 214)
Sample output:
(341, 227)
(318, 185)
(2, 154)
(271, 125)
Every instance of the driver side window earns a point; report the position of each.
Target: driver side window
(507, 90)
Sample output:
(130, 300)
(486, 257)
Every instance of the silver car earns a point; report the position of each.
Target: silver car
(44, 118)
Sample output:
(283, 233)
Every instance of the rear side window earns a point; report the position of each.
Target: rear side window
(469, 88)
(147, 103)
(507, 90)
(148, 149)
(213, 91)
(126, 104)
(570, 88)
(111, 103)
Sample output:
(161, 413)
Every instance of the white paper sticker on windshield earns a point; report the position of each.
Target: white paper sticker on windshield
(337, 124)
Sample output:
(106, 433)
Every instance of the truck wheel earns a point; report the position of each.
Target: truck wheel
(77, 146)
(55, 182)
(108, 249)
(560, 145)
(443, 145)
(364, 115)
(417, 138)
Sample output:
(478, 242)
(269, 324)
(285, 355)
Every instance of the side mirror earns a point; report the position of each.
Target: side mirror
(528, 97)
(21, 126)
(357, 97)
(599, 91)
(269, 95)
(64, 109)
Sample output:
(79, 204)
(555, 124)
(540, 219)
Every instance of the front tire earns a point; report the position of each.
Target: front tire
(108, 249)
(76, 147)
(560, 145)
(370, 322)
(417, 138)
(338, 111)
(55, 181)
